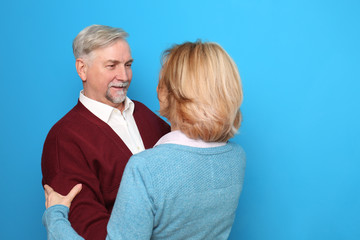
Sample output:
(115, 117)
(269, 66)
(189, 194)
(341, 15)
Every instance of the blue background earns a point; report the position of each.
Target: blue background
(299, 62)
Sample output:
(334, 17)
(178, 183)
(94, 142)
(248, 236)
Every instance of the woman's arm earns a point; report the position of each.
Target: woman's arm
(55, 218)
(132, 216)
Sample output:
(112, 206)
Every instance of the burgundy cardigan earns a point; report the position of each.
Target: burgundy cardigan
(81, 148)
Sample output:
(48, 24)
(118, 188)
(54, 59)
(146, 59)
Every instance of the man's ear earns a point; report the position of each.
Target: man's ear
(81, 68)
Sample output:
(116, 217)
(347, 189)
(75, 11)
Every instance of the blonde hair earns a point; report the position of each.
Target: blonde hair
(202, 91)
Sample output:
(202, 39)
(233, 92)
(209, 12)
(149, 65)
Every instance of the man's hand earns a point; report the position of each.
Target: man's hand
(53, 198)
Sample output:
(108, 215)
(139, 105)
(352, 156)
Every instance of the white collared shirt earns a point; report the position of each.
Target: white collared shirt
(178, 137)
(122, 123)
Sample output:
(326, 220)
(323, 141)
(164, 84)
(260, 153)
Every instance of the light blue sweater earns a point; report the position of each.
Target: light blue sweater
(170, 192)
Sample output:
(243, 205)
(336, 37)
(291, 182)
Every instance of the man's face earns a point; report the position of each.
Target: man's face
(108, 74)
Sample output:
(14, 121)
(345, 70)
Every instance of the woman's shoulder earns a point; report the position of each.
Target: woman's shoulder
(149, 156)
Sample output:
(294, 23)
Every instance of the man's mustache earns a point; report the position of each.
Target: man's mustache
(118, 84)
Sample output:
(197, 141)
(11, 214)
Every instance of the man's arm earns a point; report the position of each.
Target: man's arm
(132, 217)
(64, 164)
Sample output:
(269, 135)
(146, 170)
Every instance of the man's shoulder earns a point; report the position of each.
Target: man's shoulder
(139, 106)
(145, 117)
(141, 111)
(77, 118)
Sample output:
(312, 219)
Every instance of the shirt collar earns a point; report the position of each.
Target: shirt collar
(178, 137)
(104, 111)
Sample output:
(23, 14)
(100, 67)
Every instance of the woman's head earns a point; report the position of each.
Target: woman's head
(200, 91)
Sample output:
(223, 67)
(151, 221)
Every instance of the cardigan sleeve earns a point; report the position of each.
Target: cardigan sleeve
(64, 164)
(132, 216)
(134, 210)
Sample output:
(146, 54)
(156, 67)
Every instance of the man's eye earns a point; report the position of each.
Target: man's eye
(128, 65)
(110, 66)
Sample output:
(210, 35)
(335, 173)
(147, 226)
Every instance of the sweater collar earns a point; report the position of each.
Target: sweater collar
(178, 137)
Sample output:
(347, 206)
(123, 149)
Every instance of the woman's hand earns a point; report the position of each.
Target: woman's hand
(53, 198)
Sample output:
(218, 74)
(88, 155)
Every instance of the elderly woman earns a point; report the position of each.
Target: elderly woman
(188, 185)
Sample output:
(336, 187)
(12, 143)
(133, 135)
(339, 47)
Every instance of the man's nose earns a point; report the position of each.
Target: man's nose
(121, 74)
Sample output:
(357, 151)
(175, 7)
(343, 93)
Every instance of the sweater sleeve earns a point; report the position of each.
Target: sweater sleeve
(132, 216)
(133, 213)
(57, 225)
(64, 164)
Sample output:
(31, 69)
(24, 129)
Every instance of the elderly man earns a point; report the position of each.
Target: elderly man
(92, 143)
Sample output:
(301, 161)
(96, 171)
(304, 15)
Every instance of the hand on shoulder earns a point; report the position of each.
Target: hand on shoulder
(53, 198)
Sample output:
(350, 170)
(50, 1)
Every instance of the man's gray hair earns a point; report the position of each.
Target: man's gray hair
(96, 36)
